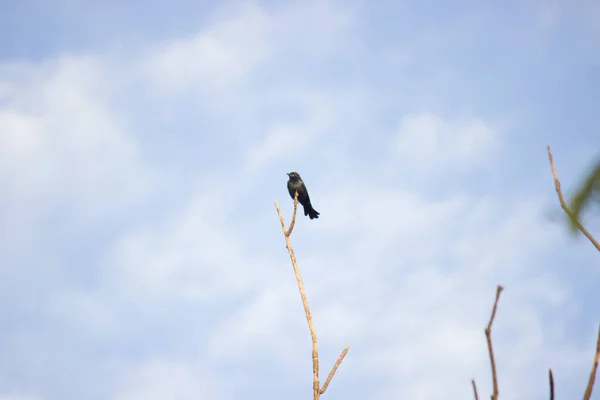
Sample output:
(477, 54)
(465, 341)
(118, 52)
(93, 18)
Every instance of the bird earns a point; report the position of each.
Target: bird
(295, 184)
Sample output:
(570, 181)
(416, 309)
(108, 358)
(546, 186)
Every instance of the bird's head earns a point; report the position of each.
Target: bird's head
(293, 175)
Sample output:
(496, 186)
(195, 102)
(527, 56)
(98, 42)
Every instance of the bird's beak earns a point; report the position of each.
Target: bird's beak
(288, 173)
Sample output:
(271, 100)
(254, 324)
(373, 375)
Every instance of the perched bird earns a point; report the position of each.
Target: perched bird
(294, 185)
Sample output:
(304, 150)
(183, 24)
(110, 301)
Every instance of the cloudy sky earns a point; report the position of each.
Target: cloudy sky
(143, 143)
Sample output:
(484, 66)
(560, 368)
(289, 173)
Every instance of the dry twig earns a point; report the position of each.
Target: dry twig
(590, 385)
(551, 384)
(335, 367)
(488, 336)
(475, 389)
(564, 206)
(288, 232)
(317, 390)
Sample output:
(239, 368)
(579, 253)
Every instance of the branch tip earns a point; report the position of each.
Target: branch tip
(564, 206)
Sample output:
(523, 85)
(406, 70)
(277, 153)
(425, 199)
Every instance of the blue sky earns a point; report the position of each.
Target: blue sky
(142, 146)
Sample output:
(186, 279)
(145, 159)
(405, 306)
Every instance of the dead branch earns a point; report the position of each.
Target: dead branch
(335, 367)
(564, 206)
(488, 336)
(551, 384)
(475, 389)
(317, 390)
(590, 385)
(291, 228)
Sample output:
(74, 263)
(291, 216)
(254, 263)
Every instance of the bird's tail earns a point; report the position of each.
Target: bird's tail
(310, 211)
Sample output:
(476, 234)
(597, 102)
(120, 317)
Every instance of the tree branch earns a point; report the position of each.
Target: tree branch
(475, 389)
(291, 228)
(551, 384)
(317, 391)
(564, 206)
(488, 336)
(590, 385)
(335, 367)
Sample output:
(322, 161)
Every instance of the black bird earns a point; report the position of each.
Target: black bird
(294, 185)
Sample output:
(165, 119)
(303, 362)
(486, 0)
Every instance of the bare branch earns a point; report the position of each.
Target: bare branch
(335, 367)
(488, 336)
(475, 389)
(590, 385)
(551, 384)
(564, 206)
(313, 334)
(291, 228)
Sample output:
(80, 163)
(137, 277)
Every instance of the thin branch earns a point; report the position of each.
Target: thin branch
(313, 334)
(590, 385)
(335, 367)
(475, 389)
(488, 336)
(564, 206)
(291, 228)
(551, 384)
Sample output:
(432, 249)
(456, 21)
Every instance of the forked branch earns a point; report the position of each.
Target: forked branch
(317, 389)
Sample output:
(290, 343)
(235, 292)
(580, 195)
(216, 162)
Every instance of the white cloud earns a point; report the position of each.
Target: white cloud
(86, 312)
(425, 139)
(171, 380)
(219, 56)
(263, 327)
(194, 256)
(19, 142)
(64, 141)
(281, 141)
(239, 41)
(319, 123)
(65, 155)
